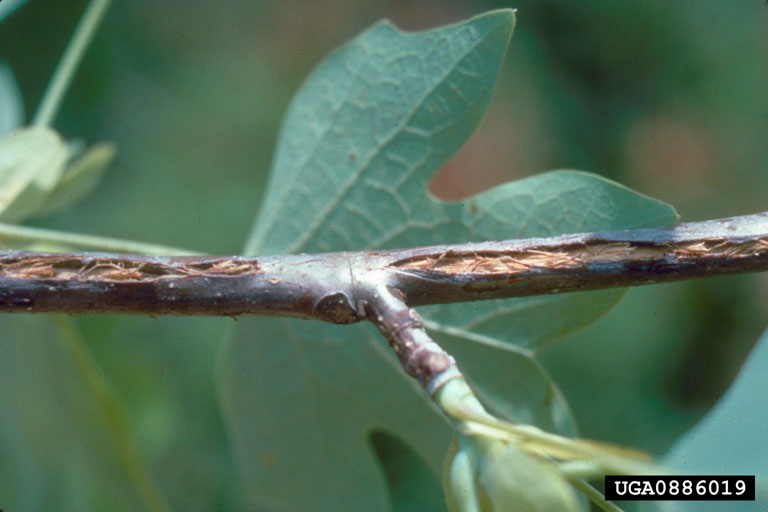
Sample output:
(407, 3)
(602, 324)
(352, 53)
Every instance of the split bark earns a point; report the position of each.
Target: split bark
(381, 286)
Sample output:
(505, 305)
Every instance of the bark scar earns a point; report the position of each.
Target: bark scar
(53, 267)
(578, 256)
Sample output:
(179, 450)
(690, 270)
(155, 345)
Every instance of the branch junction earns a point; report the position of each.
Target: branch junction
(380, 286)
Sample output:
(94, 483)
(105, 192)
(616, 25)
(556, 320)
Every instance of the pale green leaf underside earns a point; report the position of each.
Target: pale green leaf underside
(31, 163)
(513, 480)
(732, 439)
(364, 134)
(384, 111)
(79, 178)
(302, 399)
(357, 149)
(546, 204)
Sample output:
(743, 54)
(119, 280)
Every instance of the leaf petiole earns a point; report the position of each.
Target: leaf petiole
(86, 242)
(67, 66)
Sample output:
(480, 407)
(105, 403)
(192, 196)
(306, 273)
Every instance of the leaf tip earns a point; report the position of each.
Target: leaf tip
(506, 17)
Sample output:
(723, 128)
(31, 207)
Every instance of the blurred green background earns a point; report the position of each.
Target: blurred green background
(666, 96)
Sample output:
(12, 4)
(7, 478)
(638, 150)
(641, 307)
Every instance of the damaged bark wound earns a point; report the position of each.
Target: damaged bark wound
(332, 287)
(580, 256)
(380, 286)
(64, 267)
(590, 261)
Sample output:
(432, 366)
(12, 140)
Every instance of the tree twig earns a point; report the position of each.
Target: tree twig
(380, 286)
(332, 287)
(403, 327)
(586, 261)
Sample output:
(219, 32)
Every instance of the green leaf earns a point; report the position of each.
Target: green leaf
(543, 205)
(513, 480)
(378, 116)
(302, 408)
(11, 104)
(731, 439)
(356, 152)
(301, 401)
(31, 163)
(34, 176)
(66, 447)
(482, 474)
(80, 178)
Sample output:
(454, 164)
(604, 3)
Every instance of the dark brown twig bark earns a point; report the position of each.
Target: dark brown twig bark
(419, 355)
(381, 286)
(331, 287)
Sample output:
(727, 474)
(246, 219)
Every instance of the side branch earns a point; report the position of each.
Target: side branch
(403, 327)
(336, 287)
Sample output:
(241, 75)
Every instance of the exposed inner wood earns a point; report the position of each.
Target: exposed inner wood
(64, 268)
(580, 256)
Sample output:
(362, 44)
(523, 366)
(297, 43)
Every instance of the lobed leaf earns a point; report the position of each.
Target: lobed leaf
(385, 99)
(357, 149)
(379, 115)
(301, 401)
